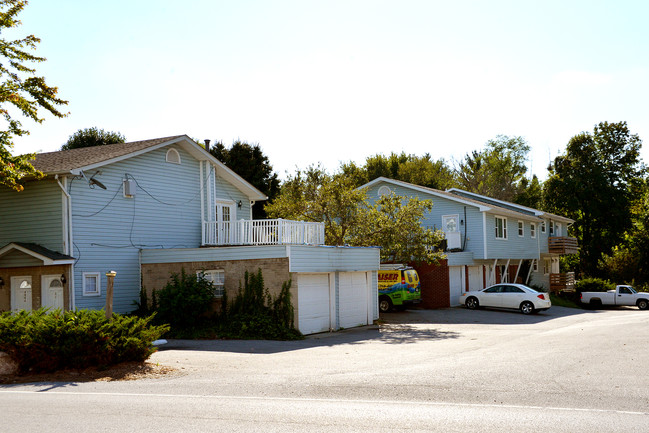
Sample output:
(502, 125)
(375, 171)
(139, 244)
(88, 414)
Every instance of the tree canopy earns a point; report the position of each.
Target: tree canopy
(249, 162)
(596, 182)
(393, 223)
(94, 136)
(497, 171)
(20, 89)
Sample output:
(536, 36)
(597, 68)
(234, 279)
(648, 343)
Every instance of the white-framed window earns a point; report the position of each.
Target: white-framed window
(501, 227)
(450, 223)
(543, 226)
(535, 265)
(557, 229)
(217, 278)
(173, 156)
(533, 230)
(521, 230)
(91, 284)
(384, 190)
(551, 228)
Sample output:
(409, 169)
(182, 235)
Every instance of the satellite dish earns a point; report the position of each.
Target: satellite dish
(94, 181)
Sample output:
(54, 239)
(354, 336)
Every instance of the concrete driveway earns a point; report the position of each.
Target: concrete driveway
(421, 370)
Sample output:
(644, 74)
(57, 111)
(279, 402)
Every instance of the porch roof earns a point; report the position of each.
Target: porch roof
(39, 252)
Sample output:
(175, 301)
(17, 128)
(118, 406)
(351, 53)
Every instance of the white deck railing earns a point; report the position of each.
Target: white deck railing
(263, 232)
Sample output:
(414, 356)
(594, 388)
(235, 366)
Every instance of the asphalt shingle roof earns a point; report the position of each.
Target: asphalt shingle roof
(66, 160)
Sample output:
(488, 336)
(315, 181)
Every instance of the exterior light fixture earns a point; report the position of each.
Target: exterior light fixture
(63, 279)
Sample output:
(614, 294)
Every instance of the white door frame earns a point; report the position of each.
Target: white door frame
(45, 284)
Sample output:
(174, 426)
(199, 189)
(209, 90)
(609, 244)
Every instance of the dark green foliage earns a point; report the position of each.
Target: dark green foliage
(46, 341)
(142, 308)
(185, 301)
(249, 162)
(596, 182)
(90, 137)
(254, 314)
(593, 285)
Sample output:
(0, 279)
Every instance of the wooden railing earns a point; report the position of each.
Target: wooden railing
(263, 232)
(562, 282)
(562, 245)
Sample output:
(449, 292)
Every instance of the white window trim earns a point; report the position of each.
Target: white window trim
(504, 236)
(535, 265)
(219, 289)
(175, 154)
(457, 222)
(384, 190)
(533, 230)
(91, 274)
(543, 227)
(547, 266)
(521, 229)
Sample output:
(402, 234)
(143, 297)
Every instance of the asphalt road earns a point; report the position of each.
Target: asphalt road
(440, 370)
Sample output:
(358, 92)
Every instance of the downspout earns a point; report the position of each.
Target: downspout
(465, 224)
(69, 240)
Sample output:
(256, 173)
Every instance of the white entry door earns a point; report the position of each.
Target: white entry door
(456, 283)
(224, 222)
(52, 292)
(21, 293)
(476, 281)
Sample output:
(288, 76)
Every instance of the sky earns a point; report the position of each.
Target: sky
(337, 81)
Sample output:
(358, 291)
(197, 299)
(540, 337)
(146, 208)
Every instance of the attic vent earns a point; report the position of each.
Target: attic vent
(384, 190)
(173, 156)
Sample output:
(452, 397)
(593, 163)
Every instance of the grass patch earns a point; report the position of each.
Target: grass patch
(568, 300)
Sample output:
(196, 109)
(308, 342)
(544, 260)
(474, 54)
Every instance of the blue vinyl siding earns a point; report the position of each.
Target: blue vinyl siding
(471, 230)
(34, 215)
(514, 247)
(109, 229)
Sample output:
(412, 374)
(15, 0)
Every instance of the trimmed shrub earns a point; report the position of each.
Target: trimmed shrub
(47, 341)
(593, 285)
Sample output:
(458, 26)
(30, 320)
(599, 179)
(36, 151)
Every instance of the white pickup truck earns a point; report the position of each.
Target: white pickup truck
(622, 295)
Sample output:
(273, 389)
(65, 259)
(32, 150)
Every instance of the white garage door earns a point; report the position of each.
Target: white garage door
(475, 278)
(313, 304)
(353, 292)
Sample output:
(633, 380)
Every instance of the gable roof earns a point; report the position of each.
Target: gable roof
(39, 252)
(481, 205)
(74, 161)
(512, 206)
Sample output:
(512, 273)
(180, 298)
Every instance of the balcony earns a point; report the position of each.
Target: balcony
(562, 245)
(263, 232)
(562, 282)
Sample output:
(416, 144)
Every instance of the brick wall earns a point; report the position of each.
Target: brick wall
(434, 285)
(155, 276)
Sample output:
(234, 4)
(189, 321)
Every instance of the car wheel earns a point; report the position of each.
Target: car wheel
(385, 304)
(527, 307)
(472, 303)
(643, 304)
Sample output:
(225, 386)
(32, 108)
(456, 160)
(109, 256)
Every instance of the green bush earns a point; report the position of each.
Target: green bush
(185, 302)
(254, 314)
(46, 341)
(593, 285)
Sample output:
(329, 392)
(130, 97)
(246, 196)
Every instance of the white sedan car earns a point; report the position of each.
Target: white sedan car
(506, 295)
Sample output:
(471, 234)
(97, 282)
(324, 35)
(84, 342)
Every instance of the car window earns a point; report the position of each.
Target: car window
(625, 290)
(495, 289)
(513, 289)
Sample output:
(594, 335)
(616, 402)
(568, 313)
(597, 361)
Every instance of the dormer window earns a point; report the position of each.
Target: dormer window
(173, 156)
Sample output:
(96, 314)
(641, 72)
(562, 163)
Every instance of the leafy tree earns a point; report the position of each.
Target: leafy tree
(90, 137)
(418, 170)
(596, 182)
(22, 90)
(249, 162)
(314, 195)
(394, 224)
(530, 193)
(498, 170)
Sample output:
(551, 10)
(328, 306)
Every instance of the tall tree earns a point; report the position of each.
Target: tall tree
(20, 88)
(315, 195)
(90, 137)
(249, 162)
(498, 170)
(595, 183)
(395, 224)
